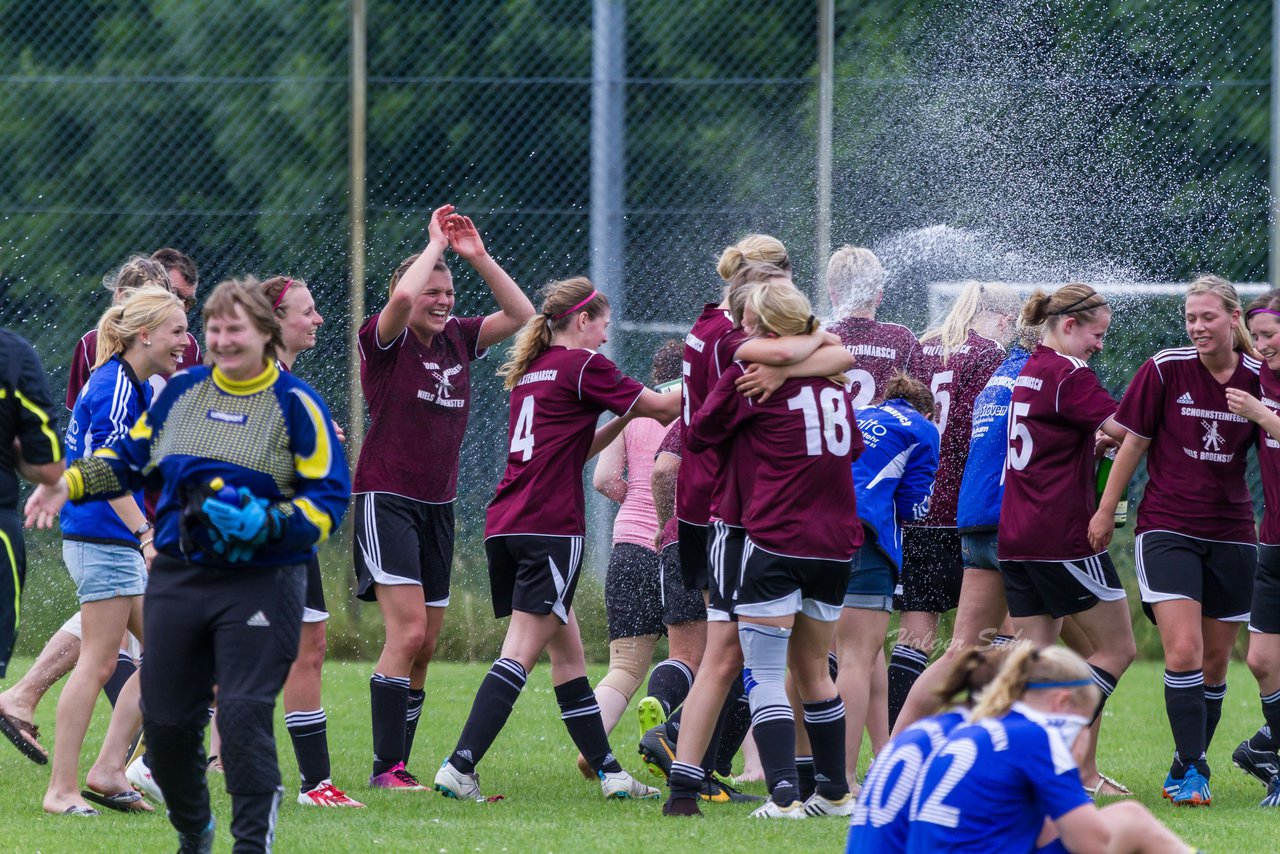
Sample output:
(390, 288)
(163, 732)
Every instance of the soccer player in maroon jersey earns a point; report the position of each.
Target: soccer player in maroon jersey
(792, 459)
(1196, 546)
(535, 525)
(955, 360)
(855, 280)
(1258, 754)
(415, 358)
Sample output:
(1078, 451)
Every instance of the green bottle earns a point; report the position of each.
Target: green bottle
(1104, 471)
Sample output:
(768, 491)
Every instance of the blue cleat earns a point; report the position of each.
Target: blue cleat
(1193, 790)
(1273, 794)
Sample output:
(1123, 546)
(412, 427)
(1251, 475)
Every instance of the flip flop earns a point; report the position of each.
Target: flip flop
(17, 730)
(128, 801)
(81, 812)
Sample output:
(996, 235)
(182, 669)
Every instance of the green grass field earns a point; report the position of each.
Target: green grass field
(548, 807)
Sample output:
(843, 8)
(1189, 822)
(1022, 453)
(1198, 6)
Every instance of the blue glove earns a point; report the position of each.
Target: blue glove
(237, 530)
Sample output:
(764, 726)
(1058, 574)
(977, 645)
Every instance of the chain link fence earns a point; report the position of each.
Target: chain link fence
(1036, 141)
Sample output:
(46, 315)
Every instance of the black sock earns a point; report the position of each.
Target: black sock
(124, 669)
(1106, 684)
(1003, 640)
(1213, 697)
(1265, 739)
(411, 714)
(776, 740)
(685, 780)
(309, 733)
(1184, 703)
(905, 666)
(804, 774)
(833, 665)
(673, 727)
(388, 698)
(669, 684)
(727, 710)
(489, 712)
(824, 721)
(737, 723)
(581, 716)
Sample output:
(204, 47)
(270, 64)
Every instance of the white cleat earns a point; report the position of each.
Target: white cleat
(818, 805)
(452, 783)
(622, 785)
(771, 810)
(139, 776)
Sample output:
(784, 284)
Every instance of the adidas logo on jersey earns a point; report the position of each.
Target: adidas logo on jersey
(1186, 400)
(259, 619)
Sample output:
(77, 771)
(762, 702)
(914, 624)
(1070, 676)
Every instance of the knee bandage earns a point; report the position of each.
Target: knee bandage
(628, 663)
(764, 657)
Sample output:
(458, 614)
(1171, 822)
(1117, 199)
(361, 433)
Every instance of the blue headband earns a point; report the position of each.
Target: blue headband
(1073, 683)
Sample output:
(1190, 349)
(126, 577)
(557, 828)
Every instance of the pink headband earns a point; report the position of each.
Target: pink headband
(280, 296)
(592, 296)
(1254, 311)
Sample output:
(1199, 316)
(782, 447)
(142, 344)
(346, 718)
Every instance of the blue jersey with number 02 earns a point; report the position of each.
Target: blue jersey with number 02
(992, 785)
(881, 819)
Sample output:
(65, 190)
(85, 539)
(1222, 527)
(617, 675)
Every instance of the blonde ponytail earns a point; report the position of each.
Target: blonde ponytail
(142, 309)
(1028, 669)
(753, 249)
(976, 299)
(562, 301)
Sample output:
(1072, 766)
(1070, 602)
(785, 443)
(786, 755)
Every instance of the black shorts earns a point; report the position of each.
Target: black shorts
(402, 541)
(1059, 588)
(932, 570)
(679, 603)
(1218, 575)
(1264, 615)
(633, 592)
(775, 585)
(314, 611)
(725, 545)
(533, 573)
(693, 555)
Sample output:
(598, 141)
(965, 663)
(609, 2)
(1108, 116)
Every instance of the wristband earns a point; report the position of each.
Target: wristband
(142, 545)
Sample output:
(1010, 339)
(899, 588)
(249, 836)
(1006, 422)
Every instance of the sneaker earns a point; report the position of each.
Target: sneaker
(658, 753)
(1194, 791)
(327, 795)
(681, 807)
(1263, 764)
(651, 714)
(139, 776)
(718, 792)
(771, 810)
(818, 805)
(197, 843)
(452, 783)
(621, 785)
(396, 777)
(1273, 794)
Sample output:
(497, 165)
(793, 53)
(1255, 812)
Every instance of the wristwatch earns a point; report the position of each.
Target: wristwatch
(146, 526)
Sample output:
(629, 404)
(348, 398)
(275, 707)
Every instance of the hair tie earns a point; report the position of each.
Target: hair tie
(1071, 308)
(563, 314)
(1063, 683)
(1254, 311)
(280, 296)
(812, 323)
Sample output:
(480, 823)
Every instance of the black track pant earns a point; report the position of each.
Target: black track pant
(238, 629)
(13, 573)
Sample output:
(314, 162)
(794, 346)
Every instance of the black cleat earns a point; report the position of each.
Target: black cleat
(197, 843)
(1263, 764)
(658, 753)
(720, 793)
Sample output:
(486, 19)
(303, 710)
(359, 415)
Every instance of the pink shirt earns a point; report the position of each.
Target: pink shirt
(637, 521)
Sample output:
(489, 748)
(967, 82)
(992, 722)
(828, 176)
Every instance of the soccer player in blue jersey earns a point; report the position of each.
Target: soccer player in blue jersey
(991, 786)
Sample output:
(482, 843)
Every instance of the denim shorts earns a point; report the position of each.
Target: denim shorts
(979, 550)
(871, 582)
(104, 571)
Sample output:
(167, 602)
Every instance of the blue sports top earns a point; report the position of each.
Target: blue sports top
(271, 434)
(881, 819)
(982, 488)
(106, 408)
(894, 475)
(992, 785)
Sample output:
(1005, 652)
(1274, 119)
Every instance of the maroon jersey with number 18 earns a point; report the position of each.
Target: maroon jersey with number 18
(698, 469)
(554, 409)
(1196, 461)
(1269, 462)
(1057, 406)
(879, 350)
(956, 384)
(795, 450)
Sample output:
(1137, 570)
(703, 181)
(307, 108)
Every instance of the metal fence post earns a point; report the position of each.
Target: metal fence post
(357, 192)
(826, 85)
(1273, 256)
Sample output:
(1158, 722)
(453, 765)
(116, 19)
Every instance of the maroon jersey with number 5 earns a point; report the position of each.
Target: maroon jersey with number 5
(1196, 461)
(696, 479)
(554, 409)
(796, 451)
(1058, 404)
(956, 384)
(879, 349)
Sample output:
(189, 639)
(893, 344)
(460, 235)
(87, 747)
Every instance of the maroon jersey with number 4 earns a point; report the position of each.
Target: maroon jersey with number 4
(701, 370)
(1196, 462)
(879, 350)
(1269, 462)
(955, 384)
(419, 396)
(1058, 404)
(554, 409)
(673, 444)
(795, 450)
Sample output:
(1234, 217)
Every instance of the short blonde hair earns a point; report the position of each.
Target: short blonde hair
(855, 279)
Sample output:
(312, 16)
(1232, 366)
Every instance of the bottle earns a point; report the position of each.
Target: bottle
(1104, 471)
